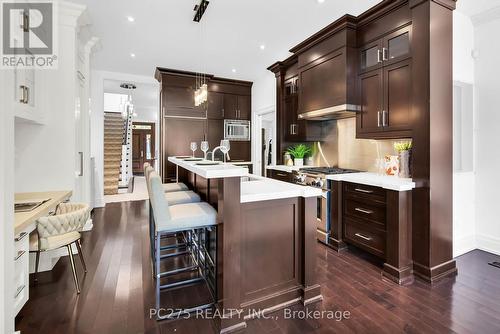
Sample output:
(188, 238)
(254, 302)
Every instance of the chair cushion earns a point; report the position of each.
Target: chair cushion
(182, 197)
(54, 242)
(187, 216)
(171, 187)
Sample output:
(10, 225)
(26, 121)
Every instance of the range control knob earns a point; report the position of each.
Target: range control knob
(319, 182)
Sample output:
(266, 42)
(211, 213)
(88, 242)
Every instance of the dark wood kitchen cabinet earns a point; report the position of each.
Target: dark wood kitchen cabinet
(179, 101)
(319, 84)
(215, 108)
(387, 50)
(237, 107)
(295, 129)
(403, 77)
(182, 122)
(378, 221)
(385, 102)
(280, 175)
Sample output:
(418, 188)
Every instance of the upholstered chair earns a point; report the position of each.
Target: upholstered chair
(61, 230)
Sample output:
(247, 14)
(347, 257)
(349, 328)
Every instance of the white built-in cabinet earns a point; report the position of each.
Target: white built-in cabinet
(52, 131)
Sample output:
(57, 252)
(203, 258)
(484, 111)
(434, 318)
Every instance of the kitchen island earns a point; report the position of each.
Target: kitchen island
(266, 237)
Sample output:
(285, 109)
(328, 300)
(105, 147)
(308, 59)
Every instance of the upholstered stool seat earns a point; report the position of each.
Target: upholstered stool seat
(174, 187)
(167, 187)
(54, 242)
(188, 216)
(182, 197)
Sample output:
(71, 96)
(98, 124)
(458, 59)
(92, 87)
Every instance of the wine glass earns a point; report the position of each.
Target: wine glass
(204, 147)
(225, 147)
(193, 147)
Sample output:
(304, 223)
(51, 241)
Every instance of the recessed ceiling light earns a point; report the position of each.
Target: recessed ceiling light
(233, 70)
(130, 19)
(132, 55)
(320, 1)
(262, 46)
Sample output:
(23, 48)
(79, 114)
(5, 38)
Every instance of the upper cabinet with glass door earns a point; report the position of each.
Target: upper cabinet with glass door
(387, 50)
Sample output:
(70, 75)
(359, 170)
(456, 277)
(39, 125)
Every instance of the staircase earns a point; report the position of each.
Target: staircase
(113, 140)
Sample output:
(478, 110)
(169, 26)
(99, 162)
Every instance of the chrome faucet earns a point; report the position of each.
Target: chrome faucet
(213, 152)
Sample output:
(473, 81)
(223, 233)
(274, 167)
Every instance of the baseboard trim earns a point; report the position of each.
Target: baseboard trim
(464, 245)
(488, 244)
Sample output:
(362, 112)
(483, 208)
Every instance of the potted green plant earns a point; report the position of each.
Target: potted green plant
(404, 157)
(298, 152)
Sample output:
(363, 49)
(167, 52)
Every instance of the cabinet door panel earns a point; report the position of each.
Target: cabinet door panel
(179, 101)
(230, 106)
(215, 133)
(371, 102)
(397, 96)
(397, 46)
(371, 56)
(240, 151)
(244, 107)
(290, 117)
(178, 134)
(215, 105)
(320, 86)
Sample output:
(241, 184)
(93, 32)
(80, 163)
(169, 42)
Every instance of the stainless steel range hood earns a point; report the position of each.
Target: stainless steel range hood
(335, 112)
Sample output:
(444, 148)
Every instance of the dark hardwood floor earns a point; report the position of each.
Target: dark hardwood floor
(117, 292)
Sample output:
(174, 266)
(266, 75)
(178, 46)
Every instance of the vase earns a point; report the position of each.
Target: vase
(309, 161)
(298, 162)
(404, 158)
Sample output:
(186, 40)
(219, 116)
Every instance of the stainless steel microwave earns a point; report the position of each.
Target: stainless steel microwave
(237, 130)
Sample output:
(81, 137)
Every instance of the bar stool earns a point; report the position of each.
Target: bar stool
(167, 187)
(173, 198)
(193, 220)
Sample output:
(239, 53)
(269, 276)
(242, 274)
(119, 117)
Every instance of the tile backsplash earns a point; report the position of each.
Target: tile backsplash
(340, 147)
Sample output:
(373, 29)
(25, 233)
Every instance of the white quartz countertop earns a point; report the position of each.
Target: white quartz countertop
(257, 188)
(376, 180)
(284, 168)
(238, 163)
(221, 170)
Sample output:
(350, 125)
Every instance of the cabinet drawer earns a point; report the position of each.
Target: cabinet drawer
(361, 191)
(278, 175)
(364, 236)
(367, 211)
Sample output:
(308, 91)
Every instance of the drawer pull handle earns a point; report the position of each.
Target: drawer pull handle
(19, 290)
(21, 236)
(279, 174)
(363, 237)
(368, 212)
(363, 191)
(19, 254)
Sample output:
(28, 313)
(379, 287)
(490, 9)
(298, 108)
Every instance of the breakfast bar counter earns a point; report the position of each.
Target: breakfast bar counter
(266, 237)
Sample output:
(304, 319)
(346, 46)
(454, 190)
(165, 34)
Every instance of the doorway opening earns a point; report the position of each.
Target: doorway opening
(265, 140)
(143, 146)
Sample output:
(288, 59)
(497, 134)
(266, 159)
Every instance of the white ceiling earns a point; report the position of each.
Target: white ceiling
(144, 97)
(475, 7)
(164, 34)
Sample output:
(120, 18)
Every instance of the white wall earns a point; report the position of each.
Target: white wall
(463, 182)
(487, 158)
(263, 101)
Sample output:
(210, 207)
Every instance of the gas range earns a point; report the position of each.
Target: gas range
(316, 176)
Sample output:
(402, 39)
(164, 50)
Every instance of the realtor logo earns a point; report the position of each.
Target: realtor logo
(28, 34)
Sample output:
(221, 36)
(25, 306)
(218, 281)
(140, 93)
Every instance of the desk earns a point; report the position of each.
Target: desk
(24, 224)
